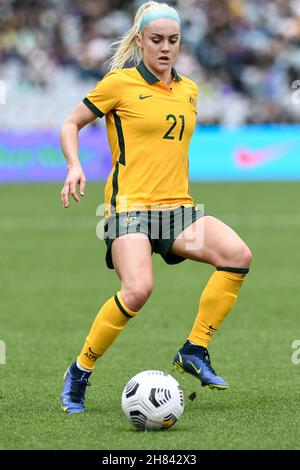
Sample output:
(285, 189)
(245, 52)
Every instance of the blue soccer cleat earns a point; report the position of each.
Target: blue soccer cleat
(195, 360)
(75, 383)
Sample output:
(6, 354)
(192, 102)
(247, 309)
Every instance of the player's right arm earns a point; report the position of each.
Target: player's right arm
(80, 117)
(105, 97)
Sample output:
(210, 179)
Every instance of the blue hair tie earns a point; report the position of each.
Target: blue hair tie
(157, 14)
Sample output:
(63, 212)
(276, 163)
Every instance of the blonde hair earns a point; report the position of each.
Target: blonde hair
(126, 48)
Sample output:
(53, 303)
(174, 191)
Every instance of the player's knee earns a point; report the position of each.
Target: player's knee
(246, 257)
(137, 295)
(239, 256)
(243, 257)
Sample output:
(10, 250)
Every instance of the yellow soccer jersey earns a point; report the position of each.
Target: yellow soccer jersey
(149, 127)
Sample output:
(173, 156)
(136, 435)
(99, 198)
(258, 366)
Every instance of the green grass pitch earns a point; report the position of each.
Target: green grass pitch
(53, 281)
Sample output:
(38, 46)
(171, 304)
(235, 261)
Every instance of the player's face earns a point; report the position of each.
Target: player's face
(159, 43)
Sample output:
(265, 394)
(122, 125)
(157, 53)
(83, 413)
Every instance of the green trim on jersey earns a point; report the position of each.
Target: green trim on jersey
(121, 141)
(150, 78)
(92, 107)
(121, 159)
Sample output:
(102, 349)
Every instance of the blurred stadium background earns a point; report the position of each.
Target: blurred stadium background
(244, 55)
(245, 167)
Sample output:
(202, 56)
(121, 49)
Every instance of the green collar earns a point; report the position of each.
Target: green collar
(150, 78)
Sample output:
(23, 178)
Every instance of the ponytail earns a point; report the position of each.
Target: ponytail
(126, 48)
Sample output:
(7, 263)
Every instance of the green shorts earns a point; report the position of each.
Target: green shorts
(161, 227)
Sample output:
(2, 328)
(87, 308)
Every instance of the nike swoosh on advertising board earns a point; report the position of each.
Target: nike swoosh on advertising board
(250, 158)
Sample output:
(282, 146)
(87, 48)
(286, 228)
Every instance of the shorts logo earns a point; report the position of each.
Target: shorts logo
(130, 220)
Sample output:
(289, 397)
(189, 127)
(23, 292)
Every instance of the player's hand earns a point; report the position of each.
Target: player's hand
(75, 176)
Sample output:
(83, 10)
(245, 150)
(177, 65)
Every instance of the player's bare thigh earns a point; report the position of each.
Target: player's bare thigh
(211, 241)
(131, 255)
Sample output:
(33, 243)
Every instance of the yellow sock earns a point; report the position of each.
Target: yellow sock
(108, 324)
(216, 301)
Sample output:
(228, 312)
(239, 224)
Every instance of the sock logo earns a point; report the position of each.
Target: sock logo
(211, 331)
(92, 356)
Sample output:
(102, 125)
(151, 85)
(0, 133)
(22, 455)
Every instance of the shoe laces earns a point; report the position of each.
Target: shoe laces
(78, 388)
(83, 381)
(208, 361)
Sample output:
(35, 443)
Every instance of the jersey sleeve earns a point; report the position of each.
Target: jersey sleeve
(106, 95)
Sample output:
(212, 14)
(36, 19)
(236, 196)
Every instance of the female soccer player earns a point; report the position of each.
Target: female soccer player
(150, 113)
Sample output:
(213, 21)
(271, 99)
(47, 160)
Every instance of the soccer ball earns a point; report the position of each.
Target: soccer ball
(152, 400)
